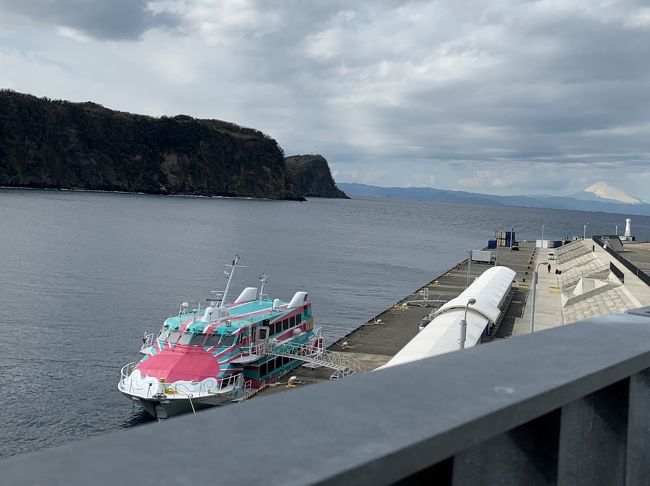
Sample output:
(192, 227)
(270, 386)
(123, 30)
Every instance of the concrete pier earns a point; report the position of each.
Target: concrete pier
(381, 337)
(578, 286)
(548, 302)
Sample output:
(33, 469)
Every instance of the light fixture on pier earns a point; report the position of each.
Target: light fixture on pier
(469, 264)
(535, 275)
(463, 324)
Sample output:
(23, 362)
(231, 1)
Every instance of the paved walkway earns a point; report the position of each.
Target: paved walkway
(586, 260)
(548, 301)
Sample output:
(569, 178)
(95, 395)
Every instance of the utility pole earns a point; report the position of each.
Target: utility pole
(535, 277)
(463, 324)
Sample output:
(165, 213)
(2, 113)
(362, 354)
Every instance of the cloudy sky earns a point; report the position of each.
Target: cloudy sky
(503, 97)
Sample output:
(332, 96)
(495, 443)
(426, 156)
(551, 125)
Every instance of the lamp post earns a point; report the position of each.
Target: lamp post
(543, 234)
(532, 318)
(469, 264)
(584, 231)
(463, 324)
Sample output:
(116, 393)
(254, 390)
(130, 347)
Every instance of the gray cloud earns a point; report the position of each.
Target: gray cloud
(100, 19)
(504, 95)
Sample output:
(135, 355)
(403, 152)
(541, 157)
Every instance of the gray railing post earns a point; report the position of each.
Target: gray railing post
(638, 430)
(526, 455)
(593, 438)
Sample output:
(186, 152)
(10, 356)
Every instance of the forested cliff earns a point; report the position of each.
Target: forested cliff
(58, 144)
(311, 176)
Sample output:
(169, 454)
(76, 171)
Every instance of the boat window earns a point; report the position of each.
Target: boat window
(185, 338)
(164, 333)
(221, 340)
(197, 340)
(298, 319)
(292, 321)
(173, 337)
(227, 340)
(213, 340)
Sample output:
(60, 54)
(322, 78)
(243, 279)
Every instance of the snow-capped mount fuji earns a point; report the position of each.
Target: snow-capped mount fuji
(603, 191)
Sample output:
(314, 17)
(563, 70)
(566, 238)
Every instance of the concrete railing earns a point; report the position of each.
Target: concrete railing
(617, 271)
(644, 277)
(567, 406)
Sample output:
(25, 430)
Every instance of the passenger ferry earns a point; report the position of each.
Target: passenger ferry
(221, 353)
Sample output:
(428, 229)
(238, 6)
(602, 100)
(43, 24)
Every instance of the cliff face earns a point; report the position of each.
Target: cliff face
(58, 144)
(311, 176)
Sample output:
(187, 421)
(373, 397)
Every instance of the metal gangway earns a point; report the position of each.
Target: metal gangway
(343, 364)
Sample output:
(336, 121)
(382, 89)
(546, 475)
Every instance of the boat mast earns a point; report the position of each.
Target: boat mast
(229, 275)
(263, 279)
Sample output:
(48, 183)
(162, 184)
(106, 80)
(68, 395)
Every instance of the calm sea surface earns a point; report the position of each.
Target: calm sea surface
(83, 275)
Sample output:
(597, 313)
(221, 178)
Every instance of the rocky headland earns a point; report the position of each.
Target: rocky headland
(59, 144)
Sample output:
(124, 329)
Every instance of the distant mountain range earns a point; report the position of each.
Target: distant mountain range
(599, 197)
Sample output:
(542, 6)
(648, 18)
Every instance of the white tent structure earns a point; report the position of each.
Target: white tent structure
(442, 334)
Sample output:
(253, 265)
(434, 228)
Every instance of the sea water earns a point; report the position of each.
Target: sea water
(84, 275)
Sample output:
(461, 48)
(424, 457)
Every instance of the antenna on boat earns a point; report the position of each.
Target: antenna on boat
(263, 279)
(229, 275)
(183, 307)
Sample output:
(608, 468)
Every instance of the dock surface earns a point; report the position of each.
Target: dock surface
(375, 342)
(578, 285)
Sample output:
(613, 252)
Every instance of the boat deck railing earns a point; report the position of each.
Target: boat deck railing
(257, 349)
(147, 341)
(204, 388)
(209, 387)
(125, 372)
(343, 364)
